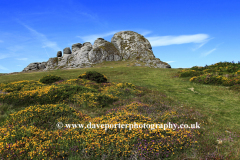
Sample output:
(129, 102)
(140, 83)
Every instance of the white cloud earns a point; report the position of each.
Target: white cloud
(22, 59)
(41, 37)
(170, 40)
(1, 41)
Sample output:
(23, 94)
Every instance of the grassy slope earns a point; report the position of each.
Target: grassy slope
(219, 104)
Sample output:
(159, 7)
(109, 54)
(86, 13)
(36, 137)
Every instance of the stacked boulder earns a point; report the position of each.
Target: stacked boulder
(125, 45)
(59, 54)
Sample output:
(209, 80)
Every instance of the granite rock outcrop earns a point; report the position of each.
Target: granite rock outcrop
(35, 66)
(124, 45)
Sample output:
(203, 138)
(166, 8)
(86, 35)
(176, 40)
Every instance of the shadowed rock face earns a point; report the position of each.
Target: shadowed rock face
(59, 54)
(103, 51)
(124, 45)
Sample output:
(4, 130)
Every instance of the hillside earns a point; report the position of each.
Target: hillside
(170, 99)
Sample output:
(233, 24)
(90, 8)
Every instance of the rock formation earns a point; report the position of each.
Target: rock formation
(35, 66)
(125, 45)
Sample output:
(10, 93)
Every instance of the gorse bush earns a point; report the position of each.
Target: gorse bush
(226, 74)
(94, 76)
(187, 73)
(50, 79)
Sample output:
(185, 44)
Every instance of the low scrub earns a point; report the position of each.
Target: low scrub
(225, 74)
(33, 127)
(48, 106)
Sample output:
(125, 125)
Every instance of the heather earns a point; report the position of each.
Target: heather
(30, 111)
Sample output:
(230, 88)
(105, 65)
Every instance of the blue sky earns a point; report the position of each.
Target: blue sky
(182, 33)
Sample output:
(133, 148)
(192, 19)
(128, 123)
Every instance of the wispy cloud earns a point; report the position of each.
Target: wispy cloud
(145, 33)
(3, 56)
(212, 50)
(15, 48)
(87, 15)
(207, 53)
(199, 46)
(170, 40)
(202, 44)
(46, 52)
(34, 13)
(22, 59)
(219, 44)
(1, 41)
(170, 61)
(92, 38)
(3, 68)
(41, 37)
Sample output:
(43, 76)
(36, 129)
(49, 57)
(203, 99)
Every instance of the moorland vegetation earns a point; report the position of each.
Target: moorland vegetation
(113, 92)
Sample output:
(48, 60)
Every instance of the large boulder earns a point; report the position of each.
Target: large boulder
(132, 45)
(59, 54)
(66, 50)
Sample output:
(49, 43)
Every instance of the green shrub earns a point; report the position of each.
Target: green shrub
(50, 79)
(190, 73)
(94, 76)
